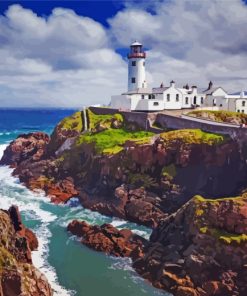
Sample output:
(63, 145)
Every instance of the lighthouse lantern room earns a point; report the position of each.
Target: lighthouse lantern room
(136, 68)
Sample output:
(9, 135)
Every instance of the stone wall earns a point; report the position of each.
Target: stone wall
(172, 122)
(146, 120)
(138, 118)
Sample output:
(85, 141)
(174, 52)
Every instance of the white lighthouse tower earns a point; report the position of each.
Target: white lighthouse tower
(136, 69)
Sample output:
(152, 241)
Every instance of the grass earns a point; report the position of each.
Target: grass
(104, 120)
(220, 116)
(193, 136)
(142, 180)
(224, 236)
(73, 122)
(169, 170)
(111, 141)
(7, 260)
(199, 198)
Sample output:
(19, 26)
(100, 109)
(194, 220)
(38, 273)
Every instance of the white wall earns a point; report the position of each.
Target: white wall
(121, 102)
(219, 92)
(172, 103)
(241, 105)
(137, 72)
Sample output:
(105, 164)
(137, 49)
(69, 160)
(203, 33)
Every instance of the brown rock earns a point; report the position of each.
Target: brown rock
(108, 239)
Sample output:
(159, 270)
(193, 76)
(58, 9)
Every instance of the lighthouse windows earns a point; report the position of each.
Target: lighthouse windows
(168, 97)
(133, 63)
(133, 80)
(177, 97)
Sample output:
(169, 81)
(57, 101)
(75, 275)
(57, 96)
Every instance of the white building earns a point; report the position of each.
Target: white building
(238, 102)
(141, 98)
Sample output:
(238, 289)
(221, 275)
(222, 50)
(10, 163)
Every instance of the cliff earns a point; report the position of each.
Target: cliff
(118, 169)
(17, 274)
(200, 249)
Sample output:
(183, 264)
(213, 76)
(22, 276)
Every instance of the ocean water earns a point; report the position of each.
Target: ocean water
(71, 268)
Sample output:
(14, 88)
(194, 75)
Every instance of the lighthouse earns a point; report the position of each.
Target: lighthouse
(136, 68)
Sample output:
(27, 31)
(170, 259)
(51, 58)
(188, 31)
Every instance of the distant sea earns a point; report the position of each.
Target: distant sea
(71, 268)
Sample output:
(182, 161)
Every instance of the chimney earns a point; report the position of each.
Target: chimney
(172, 83)
(161, 85)
(210, 85)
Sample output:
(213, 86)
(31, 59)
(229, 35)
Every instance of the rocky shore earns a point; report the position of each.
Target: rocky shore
(18, 276)
(198, 243)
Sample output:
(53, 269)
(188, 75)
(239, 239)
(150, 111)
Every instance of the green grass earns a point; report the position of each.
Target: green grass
(224, 236)
(111, 141)
(169, 170)
(199, 198)
(73, 122)
(193, 136)
(220, 116)
(104, 120)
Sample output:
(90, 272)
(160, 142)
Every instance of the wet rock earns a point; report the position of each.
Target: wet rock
(108, 239)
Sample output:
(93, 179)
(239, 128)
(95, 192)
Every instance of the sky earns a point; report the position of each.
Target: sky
(73, 53)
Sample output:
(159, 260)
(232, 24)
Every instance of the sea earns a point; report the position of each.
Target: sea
(71, 268)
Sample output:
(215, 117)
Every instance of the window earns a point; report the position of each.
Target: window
(243, 103)
(194, 101)
(221, 105)
(133, 63)
(143, 97)
(186, 100)
(201, 100)
(177, 97)
(143, 64)
(156, 103)
(153, 96)
(168, 97)
(133, 80)
(242, 111)
(214, 102)
(149, 97)
(238, 111)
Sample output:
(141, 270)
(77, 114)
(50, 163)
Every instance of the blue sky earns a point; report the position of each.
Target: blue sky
(73, 53)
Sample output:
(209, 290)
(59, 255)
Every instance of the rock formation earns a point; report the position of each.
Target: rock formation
(198, 245)
(108, 239)
(17, 274)
(200, 250)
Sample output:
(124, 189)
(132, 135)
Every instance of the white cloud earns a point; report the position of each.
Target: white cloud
(69, 60)
(189, 41)
(64, 60)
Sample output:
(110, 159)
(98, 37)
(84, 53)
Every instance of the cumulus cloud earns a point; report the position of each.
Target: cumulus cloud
(189, 41)
(68, 60)
(64, 60)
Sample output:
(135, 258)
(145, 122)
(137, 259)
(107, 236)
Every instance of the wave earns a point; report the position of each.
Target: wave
(30, 205)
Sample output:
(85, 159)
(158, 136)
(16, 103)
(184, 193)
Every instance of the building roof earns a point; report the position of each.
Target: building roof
(136, 43)
(239, 93)
(211, 90)
(159, 90)
(139, 91)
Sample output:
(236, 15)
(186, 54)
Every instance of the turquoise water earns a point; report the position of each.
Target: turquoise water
(71, 268)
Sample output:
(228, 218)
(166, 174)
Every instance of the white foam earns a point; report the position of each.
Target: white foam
(40, 261)
(2, 148)
(118, 222)
(30, 203)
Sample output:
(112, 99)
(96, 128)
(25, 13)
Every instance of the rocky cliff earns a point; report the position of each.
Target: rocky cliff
(200, 249)
(120, 170)
(17, 274)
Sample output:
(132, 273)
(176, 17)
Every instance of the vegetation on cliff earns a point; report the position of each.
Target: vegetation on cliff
(112, 140)
(73, 122)
(223, 232)
(193, 136)
(17, 274)
(221, 116)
